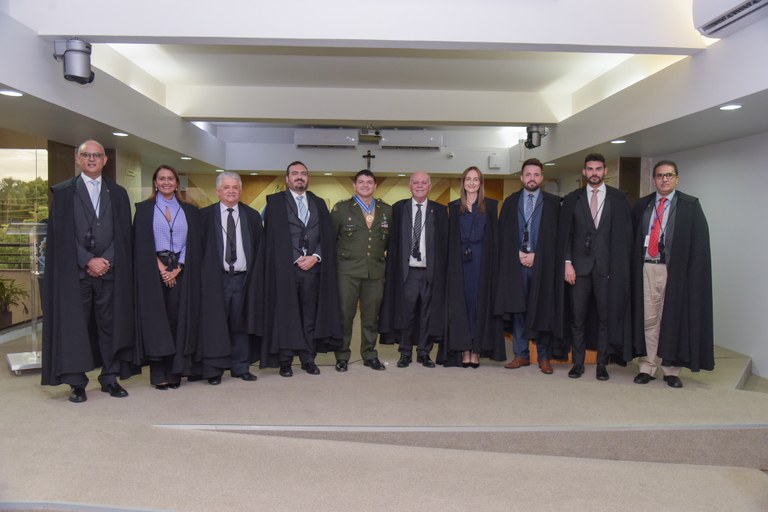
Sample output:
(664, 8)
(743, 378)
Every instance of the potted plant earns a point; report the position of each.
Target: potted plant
(11, 294)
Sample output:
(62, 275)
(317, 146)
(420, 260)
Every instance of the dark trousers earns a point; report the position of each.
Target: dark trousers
(519, 329)
(581, 293)
(416, 301)
(368, 292)
(161, 370)
(234, 298)
(96, 298)
(307, 289)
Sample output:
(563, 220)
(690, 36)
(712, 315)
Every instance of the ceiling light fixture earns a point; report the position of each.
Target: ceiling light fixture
(119, 134)
(186, 158)
(12, 94)
(219, 170)
(618, 141)
(254, 174)
(549, 164)
(327, 174)
(731, 106)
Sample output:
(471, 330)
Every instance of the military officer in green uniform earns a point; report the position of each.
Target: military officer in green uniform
(361, 224)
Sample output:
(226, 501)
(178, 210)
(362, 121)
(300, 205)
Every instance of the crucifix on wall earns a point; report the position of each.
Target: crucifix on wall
(368, 156)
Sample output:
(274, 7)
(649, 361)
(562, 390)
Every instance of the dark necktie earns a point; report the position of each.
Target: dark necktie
(416, 239)
(230, 253)
(653, 241)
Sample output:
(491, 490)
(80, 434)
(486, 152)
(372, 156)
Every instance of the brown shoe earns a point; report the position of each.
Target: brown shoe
(517, 362)
(545, 367)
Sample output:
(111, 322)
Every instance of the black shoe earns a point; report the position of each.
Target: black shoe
(405, 360)
(576, 371)
(174, 385)
(375, 364)
(161, 387)
(114, 389)
(77, 394)
(602, 372)
(286, 371)
(341, 366)
(310, 368)
(643, 378)
(671, 380)
(426, 361)
(247, 376)
(215, 381)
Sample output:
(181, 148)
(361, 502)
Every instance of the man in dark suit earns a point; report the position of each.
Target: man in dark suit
(595, 237)
(88, 312)
(299, 288)
(526, 295)
(231, 236)
(413, 308)
(672, 282)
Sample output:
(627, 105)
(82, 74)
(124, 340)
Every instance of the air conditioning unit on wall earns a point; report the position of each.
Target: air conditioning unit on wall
(719, 18)
(411, 139)
(325, 138)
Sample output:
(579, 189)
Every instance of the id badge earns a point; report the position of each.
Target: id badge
(647, 240)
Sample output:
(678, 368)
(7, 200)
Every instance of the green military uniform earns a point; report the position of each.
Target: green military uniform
(360, 253)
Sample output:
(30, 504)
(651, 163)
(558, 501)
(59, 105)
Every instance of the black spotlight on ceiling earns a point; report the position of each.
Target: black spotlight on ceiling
(535, 133)
(76, 55)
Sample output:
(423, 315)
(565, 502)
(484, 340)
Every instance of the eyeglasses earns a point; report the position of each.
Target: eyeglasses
(95, 156)
(667, 176)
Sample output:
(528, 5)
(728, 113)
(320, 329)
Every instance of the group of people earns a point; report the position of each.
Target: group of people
(194, 293)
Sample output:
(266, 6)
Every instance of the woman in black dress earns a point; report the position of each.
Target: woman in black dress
(472, 330)
(166, 262)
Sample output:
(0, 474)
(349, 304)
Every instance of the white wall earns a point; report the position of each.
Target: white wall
(731, 180)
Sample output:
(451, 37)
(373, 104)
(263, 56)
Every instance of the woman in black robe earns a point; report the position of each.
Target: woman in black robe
(472, 330)
(166, 262)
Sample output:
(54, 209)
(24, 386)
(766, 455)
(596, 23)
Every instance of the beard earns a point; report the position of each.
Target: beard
(531, 186)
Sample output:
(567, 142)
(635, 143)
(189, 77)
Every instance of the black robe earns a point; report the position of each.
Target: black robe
(153, 332)
(510, 299)
(619, 295)
(393, 320)
(66, 342)
(215, 345)
(489, 334)
(687, 335)
(279, 320)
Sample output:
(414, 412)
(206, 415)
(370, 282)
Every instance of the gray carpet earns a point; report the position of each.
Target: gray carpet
(403, 439)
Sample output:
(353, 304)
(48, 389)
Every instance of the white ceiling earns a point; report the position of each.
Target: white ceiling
(265, 66)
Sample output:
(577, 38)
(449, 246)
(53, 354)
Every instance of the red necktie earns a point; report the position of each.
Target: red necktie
(653, 241)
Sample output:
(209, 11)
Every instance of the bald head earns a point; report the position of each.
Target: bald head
(420, 184)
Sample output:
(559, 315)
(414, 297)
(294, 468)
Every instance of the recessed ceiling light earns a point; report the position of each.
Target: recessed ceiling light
(254, 174)
(618, 141)
(13, 94)
(219, 170)
(119, 134)
(186, 158)
(401, 175)
(732, 106)
(327, 174)
(548, 164)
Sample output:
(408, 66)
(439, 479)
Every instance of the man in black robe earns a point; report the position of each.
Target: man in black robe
(594, 243)
(413, 307)
(88, 312)
(231, 236)
(299, 288)
(526, 291)
(672, 282)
